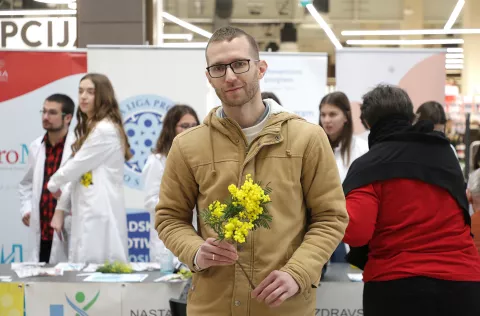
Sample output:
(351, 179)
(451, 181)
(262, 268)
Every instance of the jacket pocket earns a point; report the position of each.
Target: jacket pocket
(307, 294)
(199, 289)
(193, 287)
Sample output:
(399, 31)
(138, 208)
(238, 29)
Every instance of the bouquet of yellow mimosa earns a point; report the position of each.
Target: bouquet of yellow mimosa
(244, 211)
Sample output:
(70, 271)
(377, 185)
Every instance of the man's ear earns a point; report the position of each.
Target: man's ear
(262, 69)
(208, 77)
(68, 118)
(469, 196)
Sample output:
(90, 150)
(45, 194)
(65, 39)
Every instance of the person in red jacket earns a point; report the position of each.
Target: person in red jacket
(409, 224)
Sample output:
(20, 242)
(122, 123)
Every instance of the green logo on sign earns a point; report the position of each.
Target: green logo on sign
(80, 299)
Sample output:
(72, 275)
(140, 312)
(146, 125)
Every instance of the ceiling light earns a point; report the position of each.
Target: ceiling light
(324, 26)
(455, 13)
(186, 25)
(410, 32)
(454, 61)
(72, 6)
(454, 50)
(188, 36)
(450, 55)
(405, 42)
(36, 12)
(56, 1)
(453, 66)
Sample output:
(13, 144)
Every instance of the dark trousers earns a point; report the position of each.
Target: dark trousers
(339, 254)
(421, 296)
(45, 250)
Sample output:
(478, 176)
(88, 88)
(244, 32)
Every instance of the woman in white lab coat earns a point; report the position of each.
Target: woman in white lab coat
(95, 173)
(178, 119)
(336, 120)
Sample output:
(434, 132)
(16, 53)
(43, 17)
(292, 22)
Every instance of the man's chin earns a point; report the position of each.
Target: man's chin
(232, 102)
(52, 129)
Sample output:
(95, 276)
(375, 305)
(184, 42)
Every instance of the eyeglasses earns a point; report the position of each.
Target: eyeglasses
(238, 67)
(186, 125)
(50, 112)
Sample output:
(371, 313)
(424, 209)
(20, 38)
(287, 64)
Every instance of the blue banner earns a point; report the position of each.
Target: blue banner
(138, 235)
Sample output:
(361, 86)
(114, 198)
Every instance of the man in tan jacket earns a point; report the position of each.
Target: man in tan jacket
(249, 136)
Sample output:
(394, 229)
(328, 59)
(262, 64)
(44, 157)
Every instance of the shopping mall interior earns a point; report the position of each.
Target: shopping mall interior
(153, 55)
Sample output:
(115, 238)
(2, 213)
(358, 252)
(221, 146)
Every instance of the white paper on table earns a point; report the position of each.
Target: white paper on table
(31, 272)
(66, 266)
(111, 277)
(92, 267)
(145, 266)
(22, 265)
(170, 278)
(355, 277)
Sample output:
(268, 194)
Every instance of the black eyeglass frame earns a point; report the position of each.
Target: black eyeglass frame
(230, 65)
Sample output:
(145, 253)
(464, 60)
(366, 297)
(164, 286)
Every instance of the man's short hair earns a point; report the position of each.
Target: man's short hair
(68, 106)
(228, 33)
(384, 101)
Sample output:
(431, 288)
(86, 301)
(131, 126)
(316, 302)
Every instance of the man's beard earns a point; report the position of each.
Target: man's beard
(55, 129)
(251, 89)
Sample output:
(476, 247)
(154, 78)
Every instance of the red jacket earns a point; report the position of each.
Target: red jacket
(413, 229)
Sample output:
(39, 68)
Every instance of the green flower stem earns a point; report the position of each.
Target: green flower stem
(246, 275)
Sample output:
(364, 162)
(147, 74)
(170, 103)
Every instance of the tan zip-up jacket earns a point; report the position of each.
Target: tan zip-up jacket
(308, 209)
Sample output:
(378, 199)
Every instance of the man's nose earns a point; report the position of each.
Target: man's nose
(230, 75)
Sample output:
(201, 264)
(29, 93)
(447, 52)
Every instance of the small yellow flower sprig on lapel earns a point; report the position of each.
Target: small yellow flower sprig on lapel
(87, 179)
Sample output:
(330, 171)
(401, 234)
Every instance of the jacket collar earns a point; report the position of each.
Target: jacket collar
(278, 116)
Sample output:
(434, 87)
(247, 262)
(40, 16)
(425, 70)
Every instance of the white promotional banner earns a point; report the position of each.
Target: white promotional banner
(28, 79)
(152, 299)
(421, 72)
(149, 299)
(299, 80)
(147, 82)
(340, 299)
(73, 299)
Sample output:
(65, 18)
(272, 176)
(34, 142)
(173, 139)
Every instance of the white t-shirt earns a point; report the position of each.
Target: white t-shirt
(357, 149)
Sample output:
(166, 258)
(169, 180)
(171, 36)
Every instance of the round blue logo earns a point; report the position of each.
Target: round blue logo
(142, 119)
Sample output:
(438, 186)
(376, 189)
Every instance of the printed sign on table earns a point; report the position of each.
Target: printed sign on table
(149, 299)
(72, 299)
(11, 299)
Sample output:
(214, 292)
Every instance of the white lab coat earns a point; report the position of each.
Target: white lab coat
(99, 220)
(152, 175)
(30, 190)
(357, 149)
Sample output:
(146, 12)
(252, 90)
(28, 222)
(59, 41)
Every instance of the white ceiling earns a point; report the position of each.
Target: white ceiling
(264, 18)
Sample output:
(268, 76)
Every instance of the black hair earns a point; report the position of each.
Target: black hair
(386, 100)
(68, 106)
(432, 111)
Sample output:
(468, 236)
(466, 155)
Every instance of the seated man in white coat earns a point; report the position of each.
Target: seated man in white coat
(46, 154)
